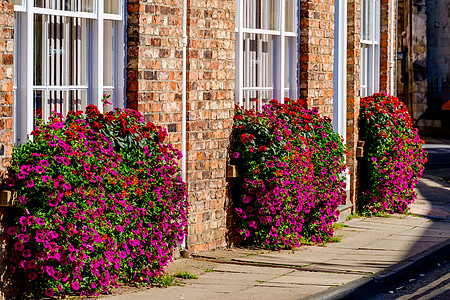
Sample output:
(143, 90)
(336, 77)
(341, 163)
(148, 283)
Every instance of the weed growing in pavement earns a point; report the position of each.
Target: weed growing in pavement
(185, 275)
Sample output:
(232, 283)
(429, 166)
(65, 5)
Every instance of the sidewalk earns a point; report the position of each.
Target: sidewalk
(368, 246)
(372, 251)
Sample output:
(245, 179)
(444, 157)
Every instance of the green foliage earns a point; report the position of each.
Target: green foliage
(185, 275)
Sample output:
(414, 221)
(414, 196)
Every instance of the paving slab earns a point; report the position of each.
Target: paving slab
(372, 251)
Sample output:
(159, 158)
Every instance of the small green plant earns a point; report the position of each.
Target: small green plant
(164, 280)
(353, 216)
(334, 239)
(185, 275)
(209, 270)
(259, 281)
(339, 226)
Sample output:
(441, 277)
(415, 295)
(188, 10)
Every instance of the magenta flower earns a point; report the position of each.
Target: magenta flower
(26, 253)
(12, 230)
(30, 183)
(39, 169)
(44, 163)
(49, 292)
(18, 246)
(75, 285)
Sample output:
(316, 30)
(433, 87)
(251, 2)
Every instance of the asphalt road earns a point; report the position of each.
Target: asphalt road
(438, 155)
(434, 284)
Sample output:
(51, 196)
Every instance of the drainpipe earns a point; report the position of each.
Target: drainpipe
(183, 96)
(393, 55)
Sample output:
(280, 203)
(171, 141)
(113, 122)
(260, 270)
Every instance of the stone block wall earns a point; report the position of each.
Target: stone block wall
(353, 91)
(438, 57)
(317, 54)
(419, 58)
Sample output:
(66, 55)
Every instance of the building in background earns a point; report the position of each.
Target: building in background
(423, 60)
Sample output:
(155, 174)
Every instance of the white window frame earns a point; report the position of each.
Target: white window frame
(370, 47)
(24, 73)
(279, 72)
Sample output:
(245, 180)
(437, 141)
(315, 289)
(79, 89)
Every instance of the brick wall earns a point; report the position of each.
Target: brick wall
(6, 82)
(211, 72)
(385, 44)
(316, 54)
(154, 63)
(353, 87)
(154, 84)
(6, 120)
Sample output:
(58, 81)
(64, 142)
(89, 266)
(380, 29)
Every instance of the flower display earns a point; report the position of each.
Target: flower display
(292, 180)
(101, 201)
(393, 158)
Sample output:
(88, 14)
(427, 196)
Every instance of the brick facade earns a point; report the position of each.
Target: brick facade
(353, 91)
(385, 44)
(316, 54)
(211, 72)
(6, 82)
(154, 62)
(6, 120)
(154, 87)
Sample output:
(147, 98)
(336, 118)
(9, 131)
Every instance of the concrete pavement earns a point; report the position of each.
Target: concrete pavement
(372, 252)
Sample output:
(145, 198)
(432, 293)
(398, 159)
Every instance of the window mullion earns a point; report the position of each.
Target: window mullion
(27, 112)
(97, 62)
(279, 91)
(240, 54)
(46, 79)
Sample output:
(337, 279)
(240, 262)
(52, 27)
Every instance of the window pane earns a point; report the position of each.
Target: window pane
(290, 67)
(257, 98)
(85, 6)
(57, 101)
(77, 48)
(38, 97)
(364, 71)
(18, 2)
(289, 15)
(43, 3)
(258, 60)
(108, 106)
(261, 14)
(39, 50)
(364, 20)
(108, 61)
(67, 5)
(77, 99)
(112, 7)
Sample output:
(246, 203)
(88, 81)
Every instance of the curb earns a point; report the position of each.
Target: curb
(367, 286)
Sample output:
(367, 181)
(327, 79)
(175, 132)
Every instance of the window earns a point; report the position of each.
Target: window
(68, 53)
(370, 47)
(266, 51)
